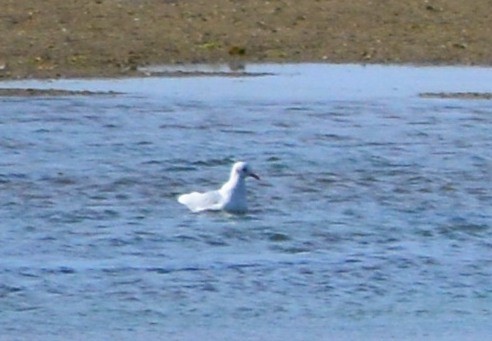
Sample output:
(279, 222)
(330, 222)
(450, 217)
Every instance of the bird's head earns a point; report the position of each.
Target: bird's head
(244, 170)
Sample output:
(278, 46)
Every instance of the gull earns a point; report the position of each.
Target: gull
(231, 197)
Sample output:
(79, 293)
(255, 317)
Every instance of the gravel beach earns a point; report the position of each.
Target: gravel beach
(104, 38)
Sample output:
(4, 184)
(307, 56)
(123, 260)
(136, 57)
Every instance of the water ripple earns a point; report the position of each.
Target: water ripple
(371, 210)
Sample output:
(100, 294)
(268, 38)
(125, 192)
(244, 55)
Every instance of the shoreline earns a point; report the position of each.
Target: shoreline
(204, 69)
(8, 73)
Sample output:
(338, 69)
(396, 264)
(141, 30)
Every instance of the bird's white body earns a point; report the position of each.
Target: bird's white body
(231, 197)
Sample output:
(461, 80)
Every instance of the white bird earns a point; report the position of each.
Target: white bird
(231, 197)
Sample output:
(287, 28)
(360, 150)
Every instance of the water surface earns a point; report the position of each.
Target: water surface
(372, 219)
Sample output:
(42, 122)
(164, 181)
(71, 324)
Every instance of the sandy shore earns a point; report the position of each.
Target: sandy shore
(59, 38)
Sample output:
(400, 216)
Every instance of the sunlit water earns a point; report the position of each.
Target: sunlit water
(372, 219)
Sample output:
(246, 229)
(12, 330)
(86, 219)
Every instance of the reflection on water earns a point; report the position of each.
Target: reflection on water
(372, 219)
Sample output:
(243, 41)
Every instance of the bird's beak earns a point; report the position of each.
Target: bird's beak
(253, 175)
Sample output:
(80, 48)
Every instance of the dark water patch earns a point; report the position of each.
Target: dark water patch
(213, 162)
(299, 108)
(278, 237)
(458, 95)
(31, 92)
(81, 215)
(238, 131)
(7, 290)
(456, 226)
(60, 179)
(179, 168)
(63, 270)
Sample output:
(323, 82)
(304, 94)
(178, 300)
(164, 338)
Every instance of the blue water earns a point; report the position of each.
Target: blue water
(372, 220)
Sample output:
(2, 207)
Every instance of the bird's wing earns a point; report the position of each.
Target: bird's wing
(197, 202)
